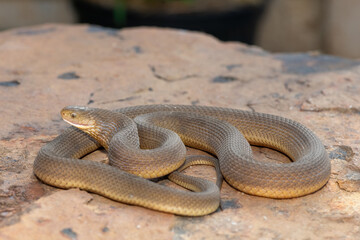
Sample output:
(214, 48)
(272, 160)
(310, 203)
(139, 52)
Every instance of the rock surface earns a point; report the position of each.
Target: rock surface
(45, 68)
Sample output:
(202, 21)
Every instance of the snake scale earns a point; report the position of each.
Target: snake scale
(140, 143)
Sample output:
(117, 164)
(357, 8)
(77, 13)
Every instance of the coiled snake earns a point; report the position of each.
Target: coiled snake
(223, 132)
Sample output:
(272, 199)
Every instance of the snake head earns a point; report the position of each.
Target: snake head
(80, 117)
(101, 124)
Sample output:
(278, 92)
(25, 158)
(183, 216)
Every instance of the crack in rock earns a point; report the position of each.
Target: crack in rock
(119, 100)
(169, 79)
(342, 110)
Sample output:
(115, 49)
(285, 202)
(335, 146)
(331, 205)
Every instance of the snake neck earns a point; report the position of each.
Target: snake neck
(107, 124)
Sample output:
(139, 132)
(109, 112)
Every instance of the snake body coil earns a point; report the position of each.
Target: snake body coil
(220, 131)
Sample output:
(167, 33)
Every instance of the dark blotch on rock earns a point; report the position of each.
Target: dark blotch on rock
(303, 63)
(233, 204)
(33, 32)
(69, 76)
(254, 51)
(224, 79)
(230, 67)
(195, 102)
(138, 49)
(12, 83)
(97, 29)
(68, 232)
(342, 152)
(105, 229)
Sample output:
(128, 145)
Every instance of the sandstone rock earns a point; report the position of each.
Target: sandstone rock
(350, 182)
(45, 68)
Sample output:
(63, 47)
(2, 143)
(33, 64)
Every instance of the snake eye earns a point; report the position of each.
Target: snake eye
(73, 115)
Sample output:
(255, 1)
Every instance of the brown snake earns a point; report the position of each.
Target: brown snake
(223, 132)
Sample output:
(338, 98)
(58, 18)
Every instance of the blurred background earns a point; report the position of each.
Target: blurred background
(327, 26)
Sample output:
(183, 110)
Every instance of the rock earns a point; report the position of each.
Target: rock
(71, 219)
(350, 182)
(47, 67)
(342, 152)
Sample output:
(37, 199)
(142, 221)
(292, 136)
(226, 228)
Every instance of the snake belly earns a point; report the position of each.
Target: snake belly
(203, 128)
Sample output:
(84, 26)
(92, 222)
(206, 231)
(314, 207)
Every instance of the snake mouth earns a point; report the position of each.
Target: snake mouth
(76, 122)
(77, 117)
(79, 125)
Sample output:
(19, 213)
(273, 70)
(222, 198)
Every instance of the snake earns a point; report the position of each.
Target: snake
(147, 141)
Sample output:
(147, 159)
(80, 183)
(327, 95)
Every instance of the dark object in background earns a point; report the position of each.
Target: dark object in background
(235, 25)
